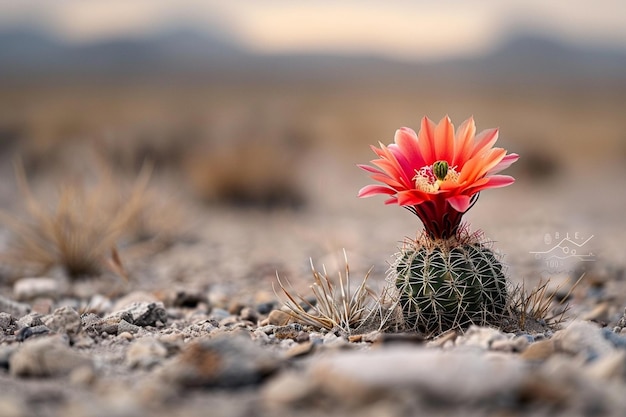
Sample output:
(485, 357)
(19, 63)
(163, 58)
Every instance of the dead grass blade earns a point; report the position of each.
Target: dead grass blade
(335, 306)
(81, 231)
(540, 304)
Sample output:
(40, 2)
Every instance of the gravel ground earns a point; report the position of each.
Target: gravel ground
(196, 329)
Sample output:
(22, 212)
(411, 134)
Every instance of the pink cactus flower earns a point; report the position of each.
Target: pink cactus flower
(437, 173)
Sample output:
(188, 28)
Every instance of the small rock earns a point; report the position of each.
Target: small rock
(143, 314)
(539, 351)
(30, 320)
(83, 376)
(27, 332)
(7, 322)
(288, 332)
(125, 335)
(278, 318)
(611, 366)
(219, 314)
(135, 297)
(144, 353)
(301, 349)
(182, 297)
(94, 325)
(229, 321)
(442, 340)
(393, 338)
(249, 314)
(333, 341)
(235, 307)
(27, 289)
(229, 360)
(449, 376)
(517, 344)
(583, 338)
(288, 388)
(43, 357)
(302, 337)
(63, 320)
(481, 337)
(125, 327)
(265, 308)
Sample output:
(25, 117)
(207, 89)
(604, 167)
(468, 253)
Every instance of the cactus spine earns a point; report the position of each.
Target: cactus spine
(449, 283)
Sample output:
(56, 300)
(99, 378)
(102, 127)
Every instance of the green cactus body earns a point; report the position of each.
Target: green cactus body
(446, 285)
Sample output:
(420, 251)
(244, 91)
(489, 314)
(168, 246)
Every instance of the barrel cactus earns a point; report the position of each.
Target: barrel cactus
(446, 284)
(447, 278)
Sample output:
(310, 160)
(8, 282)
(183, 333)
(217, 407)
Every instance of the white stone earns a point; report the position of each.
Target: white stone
(456, 376)
(30, 288)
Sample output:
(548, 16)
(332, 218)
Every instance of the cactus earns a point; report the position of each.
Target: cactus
(451, 283)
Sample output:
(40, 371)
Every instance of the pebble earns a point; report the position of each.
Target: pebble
(249, 314)
(45, 357)
(278, 318)
(135, 297)
(539, 351)
(288, 332)
(7, 321)
(27, 332)
(444, 375)
(125, 335)
(482, 337)
(63, 320)
(143, 314)
(301, 349)
(617, 340)
(228, 360)
(27, 289)
(584, 338)
(144, 353)
(288, 389)
(125, 327)
(609, 367)
(30, 320)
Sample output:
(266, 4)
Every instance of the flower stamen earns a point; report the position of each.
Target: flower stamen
(429, 177)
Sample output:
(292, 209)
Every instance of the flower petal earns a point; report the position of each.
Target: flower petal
(407, 142)
(504, 163)
(444, 136)
(484, 141)
(411, 197)
(370, 190)
(460, 203)
(426, 141)
(495, 181)
(464, 143)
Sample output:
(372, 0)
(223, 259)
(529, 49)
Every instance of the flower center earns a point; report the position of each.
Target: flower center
(430, 177)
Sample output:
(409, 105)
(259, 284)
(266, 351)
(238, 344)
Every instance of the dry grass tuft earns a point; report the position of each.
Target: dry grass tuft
(337, 307)
(539, 306)
(80, 233)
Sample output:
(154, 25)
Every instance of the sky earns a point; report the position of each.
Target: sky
(418, 29)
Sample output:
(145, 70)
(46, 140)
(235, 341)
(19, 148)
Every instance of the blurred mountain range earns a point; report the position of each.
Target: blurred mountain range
(28, 53)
